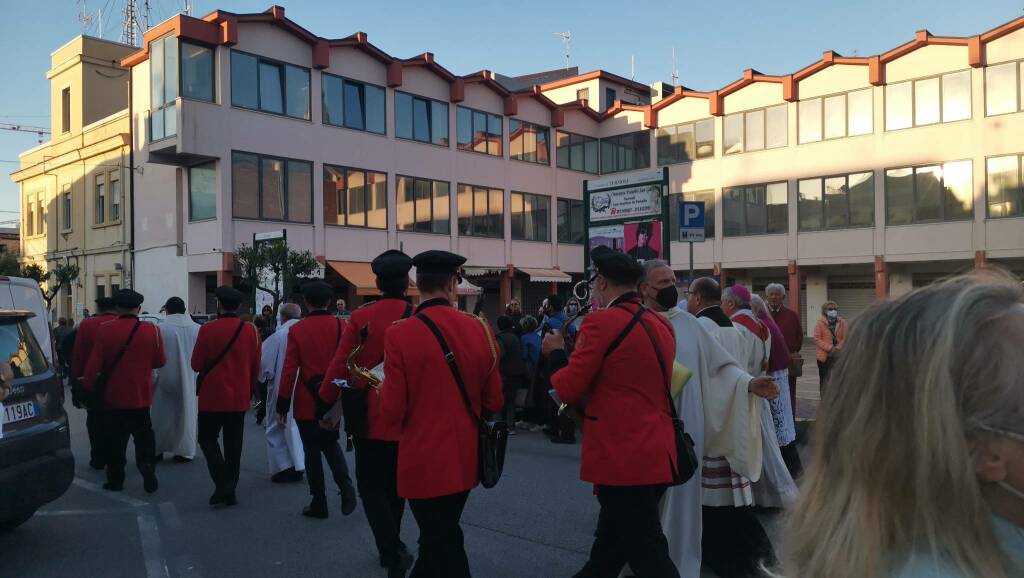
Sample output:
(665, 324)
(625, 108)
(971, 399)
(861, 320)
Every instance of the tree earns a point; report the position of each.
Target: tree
(10, 265)
(272, 267)
(52, 281)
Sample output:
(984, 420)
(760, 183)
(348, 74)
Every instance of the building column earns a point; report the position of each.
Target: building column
(719, 272)
(881, 279)
(505, 287)
(553, 288)
(817, 295)
(980, 260)
(794, 287)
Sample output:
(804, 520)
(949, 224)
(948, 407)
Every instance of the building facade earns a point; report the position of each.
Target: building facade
(853, 178)
(74, 188)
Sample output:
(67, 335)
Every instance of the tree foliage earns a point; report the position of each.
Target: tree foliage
(53, 280)
(10, 265)
(273, 267)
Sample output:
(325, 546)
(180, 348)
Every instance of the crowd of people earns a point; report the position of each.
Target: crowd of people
(686, 400)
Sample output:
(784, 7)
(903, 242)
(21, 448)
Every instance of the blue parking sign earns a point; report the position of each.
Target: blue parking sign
(691, 221)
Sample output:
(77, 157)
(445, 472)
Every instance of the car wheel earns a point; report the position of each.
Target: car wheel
(8, 524)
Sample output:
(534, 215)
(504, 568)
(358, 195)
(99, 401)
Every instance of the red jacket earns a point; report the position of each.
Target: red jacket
(229, 385)
(437, 447)
(628, 436)
(311, 345)
(85, 336)
(130, 385)
(377, 317)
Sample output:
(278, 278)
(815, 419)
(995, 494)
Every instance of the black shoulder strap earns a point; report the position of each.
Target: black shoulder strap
(661, 363)
(101, 383)
(625, 331)
(449, 358)
(408, 311)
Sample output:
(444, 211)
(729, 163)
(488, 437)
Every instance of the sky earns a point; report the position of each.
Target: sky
(714, 41)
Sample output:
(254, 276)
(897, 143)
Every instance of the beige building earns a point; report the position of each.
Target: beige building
(74, 188)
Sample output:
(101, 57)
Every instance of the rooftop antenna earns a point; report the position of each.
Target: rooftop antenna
(188, 8)
(567, 42)
(146, 14)
(84, 17)
(632, 67)
(129, 22)
(675, 68)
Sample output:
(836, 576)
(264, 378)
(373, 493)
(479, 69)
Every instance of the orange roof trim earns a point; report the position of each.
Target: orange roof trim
(597, 74)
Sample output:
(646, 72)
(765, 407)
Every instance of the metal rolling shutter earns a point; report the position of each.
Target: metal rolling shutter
(853, 294)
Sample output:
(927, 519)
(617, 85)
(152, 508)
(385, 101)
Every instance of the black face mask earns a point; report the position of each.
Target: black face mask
(668, 297)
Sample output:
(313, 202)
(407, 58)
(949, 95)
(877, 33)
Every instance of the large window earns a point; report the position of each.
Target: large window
(1005, 193)
(755, 130)
(65, 206)
(421, 119)
(355, 198)
(271, 188)
(65, 110)
(941, 192)
(835, 116)
(528, 142)
(927, 101)
(352, 104)
(202, 192)
(270, 86)
(423, 206)
(709, 212)
(196, 72)
(683, 143)
(100, 208)
(838, 202)
(1003, 88)
(478, 131)
(755, 209)
(163, 83)
(626, 152)
(30, 211)
(115, 197)
(481, 211)
(576, 152)
(531, 217)
(570, 221)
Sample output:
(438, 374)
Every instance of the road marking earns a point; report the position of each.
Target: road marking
(112, 495)
(156, 565)
(183, 563)
(85, 512)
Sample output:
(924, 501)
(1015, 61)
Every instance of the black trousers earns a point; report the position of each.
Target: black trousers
(791, 456)
(734, 543)
(510, 386)
(629, 531)
(223, 466)
(316, 441)
(824, 368)
(95, 423)
(120, 425)
(442, 549)
(377, 481)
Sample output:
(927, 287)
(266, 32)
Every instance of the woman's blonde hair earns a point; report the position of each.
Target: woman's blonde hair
(826, 305)
(894, 468)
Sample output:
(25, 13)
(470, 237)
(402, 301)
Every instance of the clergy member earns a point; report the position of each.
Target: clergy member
(174, 394)
(284, 445)
(719, 406)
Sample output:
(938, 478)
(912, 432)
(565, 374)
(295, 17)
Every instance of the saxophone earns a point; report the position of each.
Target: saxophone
(371, 379)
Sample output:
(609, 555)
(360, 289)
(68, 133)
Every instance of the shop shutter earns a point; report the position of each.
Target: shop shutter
(853, 294)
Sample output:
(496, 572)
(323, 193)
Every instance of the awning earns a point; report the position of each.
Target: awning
(546, 275)
(362, 277)
(482, 271)
(467, 288)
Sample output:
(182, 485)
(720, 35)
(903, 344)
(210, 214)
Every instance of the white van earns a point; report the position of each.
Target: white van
(22, 293)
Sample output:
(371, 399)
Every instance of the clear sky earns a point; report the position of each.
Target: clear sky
(715, 41)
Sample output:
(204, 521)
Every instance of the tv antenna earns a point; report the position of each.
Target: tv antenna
(632, 67)
(567, 42)
(128, 24)
(675, 68)
(84, 17)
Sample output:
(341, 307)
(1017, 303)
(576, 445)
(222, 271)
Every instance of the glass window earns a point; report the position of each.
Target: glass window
(837, 203)
(705, 130)
(271, 90)
(66, 214)
(478, 131)
(859, 108)
(332, 99)
(19, 348)
(423, 206)
(30, 222)
(376, 117)
(269, 86)
(809, 120)
(928, 194)
(776, 127)
(899, 105)
(196, 71)
(528, 142)
(835, 116)
(300, 192)
(481, 211)
(65, 110)
(576, 152)
(570, 221)
(163, 78)
(115, 197)
(202, 192)
(271, 188)
(926, 101)
(732, 134)
(809, 204)
(421, 119)
(957, 190)
(899, 196)
(245, 186)
(354, 109)
(626, 152)
(439, 123)
(244, 80)
(755, 209)
(1001, 88)
(352, 104)
(755, 130)
(861, 188)
(441, 206)
(1005, 195)
(358, 198)
(297, 91)
(100, 209)
(956, 96)
(403, 115)
(272, 202)
(778, 203)
(531, 217)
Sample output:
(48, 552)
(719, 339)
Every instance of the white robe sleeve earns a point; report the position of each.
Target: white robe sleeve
(268, 359)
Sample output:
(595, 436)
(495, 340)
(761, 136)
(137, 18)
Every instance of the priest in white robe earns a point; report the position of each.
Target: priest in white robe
(284, 447)
(175, 406)
(719, 406)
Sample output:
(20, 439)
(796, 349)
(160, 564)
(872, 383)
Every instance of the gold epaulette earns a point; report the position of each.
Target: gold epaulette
(397, 321)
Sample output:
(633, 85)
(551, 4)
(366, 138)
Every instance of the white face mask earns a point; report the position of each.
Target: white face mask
(832, 314)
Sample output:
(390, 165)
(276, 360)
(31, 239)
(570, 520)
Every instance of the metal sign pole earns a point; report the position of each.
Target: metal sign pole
(691, 261)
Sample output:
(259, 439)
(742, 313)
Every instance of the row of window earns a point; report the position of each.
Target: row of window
(106, 194)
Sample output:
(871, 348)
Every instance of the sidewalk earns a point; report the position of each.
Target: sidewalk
(808, 394)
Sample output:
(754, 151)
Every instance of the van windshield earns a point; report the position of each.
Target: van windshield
(18, 347)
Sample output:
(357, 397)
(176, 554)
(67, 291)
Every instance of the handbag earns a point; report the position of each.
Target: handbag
(493, 436)
(95, 399)
(206, 370)
(796, 365)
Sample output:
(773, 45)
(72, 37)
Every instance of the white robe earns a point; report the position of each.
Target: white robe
(284, 447)
(175, 407)
(721, 415)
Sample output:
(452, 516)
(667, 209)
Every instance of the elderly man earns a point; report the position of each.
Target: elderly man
(719, 405)
(284, 446)
(792, 330)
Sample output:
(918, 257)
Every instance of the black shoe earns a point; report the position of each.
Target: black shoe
(348, 501)
(229, 499)
(159, 457)
(113, 486)
(403, 562)
(284, 476)
(216, 499)
(97, 465)
(316, 509)
(181, 460)
(150, 483)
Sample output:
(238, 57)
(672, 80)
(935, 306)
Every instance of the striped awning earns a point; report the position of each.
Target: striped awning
(546, 275)
(482, 271)
(362, 277)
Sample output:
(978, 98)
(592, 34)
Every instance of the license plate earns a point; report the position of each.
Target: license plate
(19, 411)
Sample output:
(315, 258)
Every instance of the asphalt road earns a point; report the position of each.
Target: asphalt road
(537, 522)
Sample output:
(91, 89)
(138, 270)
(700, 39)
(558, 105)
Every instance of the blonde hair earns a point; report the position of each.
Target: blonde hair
(825, 306)
(893, 470)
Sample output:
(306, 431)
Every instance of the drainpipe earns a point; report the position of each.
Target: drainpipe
(131, 176)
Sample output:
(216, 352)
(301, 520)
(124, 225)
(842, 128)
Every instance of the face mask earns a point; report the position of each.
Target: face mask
(667, 297)
(1014, 491)
(833, 314)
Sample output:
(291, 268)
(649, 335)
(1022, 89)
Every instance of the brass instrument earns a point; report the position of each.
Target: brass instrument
(581, 297)
(370, 377)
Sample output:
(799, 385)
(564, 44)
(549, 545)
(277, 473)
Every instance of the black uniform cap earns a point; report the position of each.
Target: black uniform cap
(442, 262)
(391, 264)
(317, 291)
(616, 266)
(128, 299)
(229, 297)
(105, 303)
